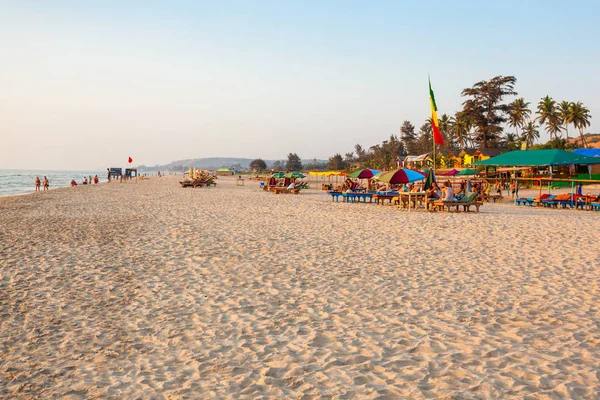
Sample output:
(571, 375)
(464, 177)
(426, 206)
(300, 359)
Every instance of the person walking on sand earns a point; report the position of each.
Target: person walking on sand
(46, 184)
(108, 173)
(37, 183)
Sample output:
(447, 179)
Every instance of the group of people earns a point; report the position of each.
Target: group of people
(38, 184)
(87, 180)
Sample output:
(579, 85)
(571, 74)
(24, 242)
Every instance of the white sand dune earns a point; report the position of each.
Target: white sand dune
(149, 290)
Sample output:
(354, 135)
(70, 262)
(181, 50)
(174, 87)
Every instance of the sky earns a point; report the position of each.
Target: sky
(87, 84)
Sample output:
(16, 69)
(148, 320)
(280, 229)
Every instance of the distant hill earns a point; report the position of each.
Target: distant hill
(592, 140)
(211, 163)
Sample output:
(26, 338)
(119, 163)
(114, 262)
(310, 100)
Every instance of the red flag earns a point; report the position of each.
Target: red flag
(130, 160)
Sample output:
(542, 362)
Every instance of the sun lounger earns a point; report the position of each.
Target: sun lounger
(334, 195)
(194, 183)
(381, 197)
(494, 197)
(530, 201)
(468, 200)
(357, 196)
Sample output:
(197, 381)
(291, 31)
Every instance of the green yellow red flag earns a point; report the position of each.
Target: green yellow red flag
(437, 135)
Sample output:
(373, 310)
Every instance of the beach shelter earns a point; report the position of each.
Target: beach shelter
(539, 158)
(452, 172)
(366, 173)
(277, 175)
(588, 152)
(466, 172)
(430, 179)
(224, 171)
(402, 175)
(294, 175)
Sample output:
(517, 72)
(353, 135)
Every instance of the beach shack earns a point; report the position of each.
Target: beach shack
(224, 172)
(416, 162)
(593, 169)
(551, 165)
(131, 173)
(116, 173)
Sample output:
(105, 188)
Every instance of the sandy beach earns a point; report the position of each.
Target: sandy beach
(149, 290)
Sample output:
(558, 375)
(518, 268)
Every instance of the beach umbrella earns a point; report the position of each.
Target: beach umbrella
(466, 172)
(377, 175)
(452, 172)
(278, 175)
(430, 179)
(366, 173)
(294, 175)
(402, 175)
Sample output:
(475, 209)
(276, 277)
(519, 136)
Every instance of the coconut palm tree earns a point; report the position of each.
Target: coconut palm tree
(512, 140)
(580, 118)
(444, 125)
(564, 111)
(459, 126)
(530, 133)
(518, 113)
(549, 116)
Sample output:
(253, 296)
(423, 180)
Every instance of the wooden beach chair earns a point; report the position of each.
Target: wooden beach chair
(468, 200)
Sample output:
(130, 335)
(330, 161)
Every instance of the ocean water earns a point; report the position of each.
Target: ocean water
(23, 181)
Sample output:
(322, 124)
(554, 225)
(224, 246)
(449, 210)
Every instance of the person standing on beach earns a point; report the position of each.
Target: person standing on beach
(46, 184)
(37, 183)
(108, 173)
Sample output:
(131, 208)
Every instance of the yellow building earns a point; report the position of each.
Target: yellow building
(469, 156)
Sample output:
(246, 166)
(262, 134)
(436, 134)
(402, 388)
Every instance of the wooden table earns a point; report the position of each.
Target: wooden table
(417, 196)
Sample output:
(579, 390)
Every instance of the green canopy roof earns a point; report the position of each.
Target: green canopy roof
(223, 170)
(277, 175)
(538, 158)
(466, 172)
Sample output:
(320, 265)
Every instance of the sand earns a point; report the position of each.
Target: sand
(149, 290)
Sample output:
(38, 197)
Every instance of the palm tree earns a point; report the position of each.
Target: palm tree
(548, 115)
(511, 140)
(580, 118)
(530, 133)
(518, 113)
(564, 110)
(459, 126)
(444, 125)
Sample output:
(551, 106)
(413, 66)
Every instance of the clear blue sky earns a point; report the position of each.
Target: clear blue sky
(87, 84)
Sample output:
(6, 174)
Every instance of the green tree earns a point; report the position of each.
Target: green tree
(361, 153)
(277, 165)
(512, 140)
(484, 107)
(258, 165)
(444, 123)
(518, 114)
(293, 162)
(460, 127)
(548, 115)
(580, 118)
(530, 133)
(425, 141)
(564, 111)
(408, 136)
(336, 163)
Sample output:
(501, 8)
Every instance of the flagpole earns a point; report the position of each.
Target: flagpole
(433, 140)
